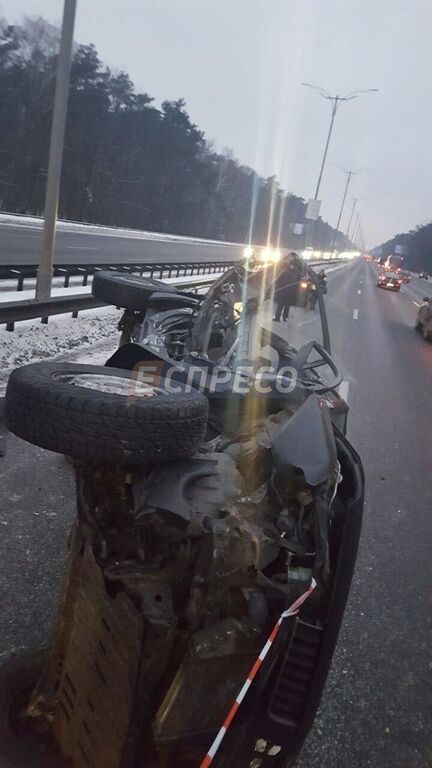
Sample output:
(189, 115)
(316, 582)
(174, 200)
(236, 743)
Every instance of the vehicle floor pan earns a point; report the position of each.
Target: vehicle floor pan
(96, 665)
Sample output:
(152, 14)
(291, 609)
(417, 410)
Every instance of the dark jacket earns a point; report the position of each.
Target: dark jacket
(286, 284)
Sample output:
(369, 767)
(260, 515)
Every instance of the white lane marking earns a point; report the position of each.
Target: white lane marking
(343, 390)
(81, 247)
(355, 314)
(416, 303)
(359, 291)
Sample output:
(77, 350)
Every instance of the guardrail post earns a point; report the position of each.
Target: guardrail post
(66, 280)
(75, 314)
(85, 278)
(44, 320)
(20, 284)
(10, 326)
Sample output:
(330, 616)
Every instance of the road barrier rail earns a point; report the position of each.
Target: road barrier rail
(160, 270)
(12, 312)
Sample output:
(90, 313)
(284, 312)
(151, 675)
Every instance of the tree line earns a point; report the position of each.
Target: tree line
(418, 245)
(126, 162)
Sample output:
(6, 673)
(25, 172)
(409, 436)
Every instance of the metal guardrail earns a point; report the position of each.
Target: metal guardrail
(160, 270)
(12, 312)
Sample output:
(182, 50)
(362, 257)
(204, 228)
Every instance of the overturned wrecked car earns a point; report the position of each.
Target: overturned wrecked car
(219, 507)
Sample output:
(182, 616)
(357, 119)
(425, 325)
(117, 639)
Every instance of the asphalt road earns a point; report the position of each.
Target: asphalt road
(375, 709)
(418, 288)
(21, 244)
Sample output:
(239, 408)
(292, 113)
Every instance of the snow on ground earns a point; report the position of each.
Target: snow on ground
(91, 337)
(9, 286)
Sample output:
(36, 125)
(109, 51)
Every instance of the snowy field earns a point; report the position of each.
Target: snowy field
(90, 338)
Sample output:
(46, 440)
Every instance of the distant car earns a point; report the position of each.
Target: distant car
(424, 319)
(390, 280)
(424, 275)
(406, 277)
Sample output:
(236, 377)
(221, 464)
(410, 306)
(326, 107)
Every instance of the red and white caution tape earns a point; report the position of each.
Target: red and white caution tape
(291, 611)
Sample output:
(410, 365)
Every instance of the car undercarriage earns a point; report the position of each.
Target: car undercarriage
(201, 516)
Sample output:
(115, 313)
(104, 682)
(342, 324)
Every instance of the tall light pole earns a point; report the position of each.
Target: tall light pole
(44, 275)
(355, 201)
(335, 102)
(357, 230)
(349, 175)
(354, 230)
(351, 217)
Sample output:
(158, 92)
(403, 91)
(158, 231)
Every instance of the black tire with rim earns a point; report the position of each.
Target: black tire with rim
(103, 414)
(126, 291)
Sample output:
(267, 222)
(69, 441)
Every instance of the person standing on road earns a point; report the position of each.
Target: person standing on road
(286, 286)
(313, 290)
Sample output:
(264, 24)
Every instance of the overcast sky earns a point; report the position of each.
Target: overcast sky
(239, 65)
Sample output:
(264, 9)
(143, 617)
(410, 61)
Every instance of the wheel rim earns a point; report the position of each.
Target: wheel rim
(111, 385)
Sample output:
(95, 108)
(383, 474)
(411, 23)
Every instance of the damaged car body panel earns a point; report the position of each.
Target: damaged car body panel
(178, 570)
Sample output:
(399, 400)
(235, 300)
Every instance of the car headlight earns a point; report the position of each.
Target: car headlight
(270, 255)
(265, 255)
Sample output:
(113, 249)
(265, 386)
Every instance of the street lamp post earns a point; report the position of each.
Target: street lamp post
(354, 230)
(351, 217)
(44, 274)
(356, 200)
(335, 102)
(349, 175)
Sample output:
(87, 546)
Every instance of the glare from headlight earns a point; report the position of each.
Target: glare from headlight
(270, 255)
(265, 254)
(248, 252)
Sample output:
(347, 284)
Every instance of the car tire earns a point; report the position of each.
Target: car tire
(103, 414)
(126, 291)
(20, 747)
